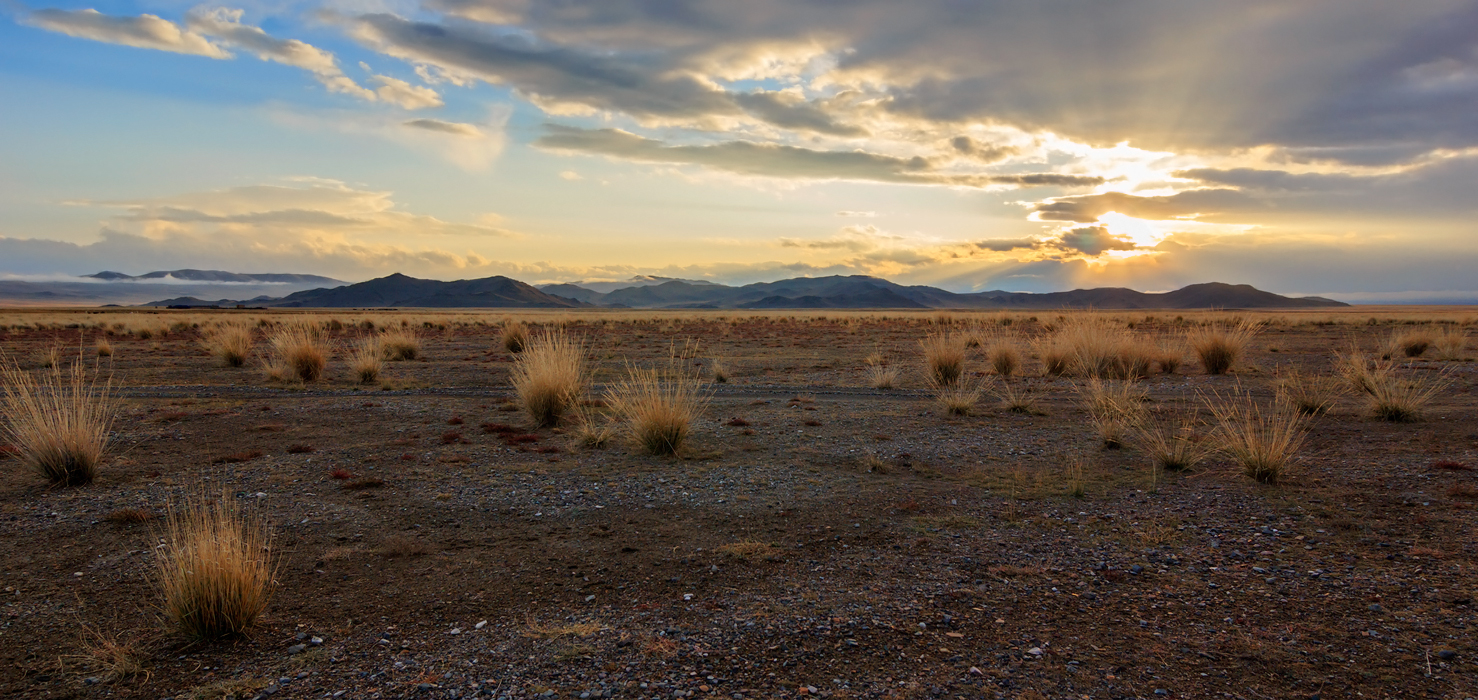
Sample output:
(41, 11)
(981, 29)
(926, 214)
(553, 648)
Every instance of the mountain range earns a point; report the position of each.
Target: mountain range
(122, 289)
(836, 292)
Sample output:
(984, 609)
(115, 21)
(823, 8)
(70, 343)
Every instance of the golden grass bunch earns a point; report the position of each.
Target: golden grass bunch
(1451, 343)
(367, 359)
(959, 398)
(1263, 442)
(549, 376)
(1171, 441)
(1219, 347)
(720, 371)
(1004, 357)
(400, 343)
(299, 351)
(103, 347)
(229, 342)
(1018, 400)
(58, 421)
(1388, 395)
(1169, 356)
(515, 336)
(880, 374)
(1114, 408)
(944, 357)
(1406, 343)
(215, 570)
(1088, 346)
(658, 406)
(1310, 395)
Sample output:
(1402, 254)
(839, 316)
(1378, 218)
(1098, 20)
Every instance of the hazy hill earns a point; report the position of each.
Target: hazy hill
(219, 276)
(399, 290)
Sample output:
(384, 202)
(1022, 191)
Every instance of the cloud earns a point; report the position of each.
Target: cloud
(783, 161)
(985, 153)
(225, 25)
(144, 31)
(1094, 240)
(405, 95)
(445, 127)
(565, 80)
(865, 214)
(1002, 245)
(1188, 205)
(1274, 180)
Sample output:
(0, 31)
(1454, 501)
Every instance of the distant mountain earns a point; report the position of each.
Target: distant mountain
(637, 281)
(219, 276)
(860, 291)
(399, 290)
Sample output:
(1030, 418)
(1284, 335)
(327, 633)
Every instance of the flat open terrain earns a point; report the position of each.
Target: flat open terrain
(816, 536)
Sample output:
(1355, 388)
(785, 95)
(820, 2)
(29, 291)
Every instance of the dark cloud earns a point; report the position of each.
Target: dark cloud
(445, 127)
(985, 153)
(1094, 240)
(771, 160)
(1192, 204)
(1002, 245)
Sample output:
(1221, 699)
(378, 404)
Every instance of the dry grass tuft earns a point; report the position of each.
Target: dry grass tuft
(1310, 395)
(1170, 356)
(1020, 400)
(1171, 441)
(229, 342)
(658, 406)
(1114, 408)
(103, 347)
(1004, 358)
(1388, 395)
(120, 657)
(720, 372)
(215, 574)
(129, 516)
(549, 376)
(1089, 346)
(1263, 442)
(299, 351)
(367, 359)
(944, 358)
(748, 550)
(1451, 344)
(400, 343)
(515, 336)
(960, 397)
(880, 374)
(1408, 343)
(1218, 348)
(58, 423)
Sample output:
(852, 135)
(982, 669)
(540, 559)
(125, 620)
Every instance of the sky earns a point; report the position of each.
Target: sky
(1302, 146)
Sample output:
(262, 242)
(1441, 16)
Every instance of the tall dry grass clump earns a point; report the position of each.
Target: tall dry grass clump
(1171, 441)
(1114, 408)
(58, 421)
(103, 347)
(1218, 348)
(230, 343)
(1407, 343)
(299, 351)
(1263, 442)
(1088, 346)
(1310, 395)
(1388, 395)
(515, 336)
(400, 343)
(944, 357)
(367, 359)
(1451, 344)
(657, 406)
(1004, 358)
(959, 398)
(215, 570)
(880, 374)
(549, 376)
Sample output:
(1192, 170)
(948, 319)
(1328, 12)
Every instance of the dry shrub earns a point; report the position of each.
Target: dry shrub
(104, 348)
(367, 359)
(299, 351)
(515, 336)
(1004, 358)
(400, 343)
(1263, 442)
(1408, 343)
(115, 658)
(720, 372)
(1056, 360)
(549, 376)
(229, 342)
(592, 428)
(58, 422)
(1218, 348)
(1018, 400)
(1114, 408)
(944, 358)
(881, 375)
(1451, 343)
(959, 397)
(215, 572)
(1390, 396)
(1088, 346)
(658, 406)
(1171, 441)
(1310, 395)
(1170, 356)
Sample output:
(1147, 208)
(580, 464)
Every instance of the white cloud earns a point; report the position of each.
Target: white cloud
(471, 146)
(405, 95)
(143, 31)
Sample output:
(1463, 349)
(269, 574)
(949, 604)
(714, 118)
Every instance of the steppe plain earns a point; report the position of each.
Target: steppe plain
(817, 536)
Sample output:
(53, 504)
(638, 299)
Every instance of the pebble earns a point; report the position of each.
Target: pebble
(1446, 654)
(297, 649)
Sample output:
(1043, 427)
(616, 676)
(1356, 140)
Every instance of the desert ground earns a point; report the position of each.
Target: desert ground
(815, 535)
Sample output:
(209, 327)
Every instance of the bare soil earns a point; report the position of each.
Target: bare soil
(816, 537)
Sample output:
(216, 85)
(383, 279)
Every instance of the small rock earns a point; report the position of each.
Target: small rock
(1136, 569)
(1034, 651)
(480, 625)
(1375, 608)
(315, 641)
(589, 598)
(974, 671)
(1446, 654)
(297, 649)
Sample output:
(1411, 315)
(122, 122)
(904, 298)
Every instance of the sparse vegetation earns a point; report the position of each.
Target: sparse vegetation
(515, 336)
(1004, 358)
(1406, 343)
(1389, 395)
(299, 352)
(103, 347)
(1114, 408)
(1310, 395)
(1018, 399)
(400, 343)
(1171, 441)
(58, 422)
(1219, 348)
(1263, 442)
(944, 358)
(658, 406)
(229, 342)
(959, 398)
(1451, 344)
(367, 359)
(549, 376)
(880, 374)
(215, 571)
